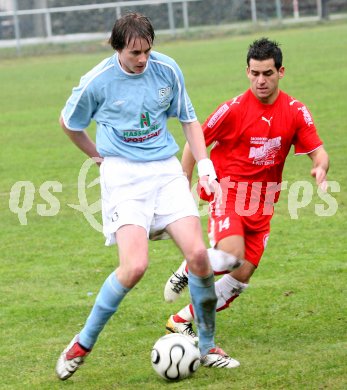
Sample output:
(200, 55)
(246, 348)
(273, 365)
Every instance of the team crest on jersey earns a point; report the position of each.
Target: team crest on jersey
(164, 92)
(164, 96)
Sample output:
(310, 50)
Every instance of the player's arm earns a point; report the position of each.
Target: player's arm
(320, 166)
(188, 162)
(196, 142)
(82, 140)
(307, 139)
(210, 128)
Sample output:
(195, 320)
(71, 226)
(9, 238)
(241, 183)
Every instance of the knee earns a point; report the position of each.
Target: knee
(138, 271)
(198, 262)
(134, 273)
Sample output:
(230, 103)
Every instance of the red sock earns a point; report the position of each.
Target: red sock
(177, 318)
(191, 309)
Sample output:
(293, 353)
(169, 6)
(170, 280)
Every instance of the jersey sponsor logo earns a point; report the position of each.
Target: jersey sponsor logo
(148, 131)
(221, 110)
(268, 121)
(265, 154)
(148, 135)
(307, 116)
(144, 120)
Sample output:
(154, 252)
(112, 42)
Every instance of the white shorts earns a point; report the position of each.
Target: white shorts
(148, 194)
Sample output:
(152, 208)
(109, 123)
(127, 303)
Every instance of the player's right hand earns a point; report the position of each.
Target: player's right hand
(212, 187)
(207, 179)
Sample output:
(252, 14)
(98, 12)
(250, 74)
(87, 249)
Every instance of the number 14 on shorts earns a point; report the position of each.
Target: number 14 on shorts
(224, 224)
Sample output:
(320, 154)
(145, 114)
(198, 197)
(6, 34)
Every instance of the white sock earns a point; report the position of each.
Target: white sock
(227, 289)
(186, 314)
(222, 262)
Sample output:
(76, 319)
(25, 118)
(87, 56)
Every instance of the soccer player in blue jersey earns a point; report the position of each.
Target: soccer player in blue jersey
(144, 191)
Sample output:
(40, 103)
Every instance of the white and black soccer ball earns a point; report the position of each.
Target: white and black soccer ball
(175, 356)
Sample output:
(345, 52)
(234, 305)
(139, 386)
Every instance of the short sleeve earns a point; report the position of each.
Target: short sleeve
(215, 124)
(306, 139)
(80, 107)
(181, 105)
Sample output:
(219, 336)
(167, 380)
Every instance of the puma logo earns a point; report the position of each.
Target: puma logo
(234, 101)
(268, 121)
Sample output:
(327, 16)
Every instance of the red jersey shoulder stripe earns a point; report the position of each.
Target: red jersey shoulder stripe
(222, 109)
(218, 114)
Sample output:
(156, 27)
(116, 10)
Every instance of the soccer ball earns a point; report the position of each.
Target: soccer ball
(175, 356)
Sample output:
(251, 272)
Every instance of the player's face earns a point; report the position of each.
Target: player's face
(264, 79)
(133, 58)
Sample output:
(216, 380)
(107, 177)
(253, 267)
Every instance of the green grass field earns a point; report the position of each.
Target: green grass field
(288, 330)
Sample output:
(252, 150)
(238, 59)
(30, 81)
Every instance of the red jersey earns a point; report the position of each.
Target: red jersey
(252, 140)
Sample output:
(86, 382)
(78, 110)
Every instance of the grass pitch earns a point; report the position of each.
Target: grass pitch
(288, 330)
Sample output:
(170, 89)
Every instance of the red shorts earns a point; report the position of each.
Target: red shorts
(255, 228)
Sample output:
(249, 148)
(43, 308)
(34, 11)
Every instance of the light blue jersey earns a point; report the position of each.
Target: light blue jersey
(131, 110)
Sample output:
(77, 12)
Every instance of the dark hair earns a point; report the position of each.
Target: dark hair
(131, 26)
(264, 49)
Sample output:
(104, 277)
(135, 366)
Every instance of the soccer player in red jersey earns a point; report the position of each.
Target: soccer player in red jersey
(251, 136)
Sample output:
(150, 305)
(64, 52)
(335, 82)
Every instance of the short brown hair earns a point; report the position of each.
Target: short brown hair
(130, 26)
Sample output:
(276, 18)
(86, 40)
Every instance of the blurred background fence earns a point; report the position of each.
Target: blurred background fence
(24, 22)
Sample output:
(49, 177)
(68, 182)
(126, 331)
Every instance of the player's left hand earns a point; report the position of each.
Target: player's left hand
(320, 175)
